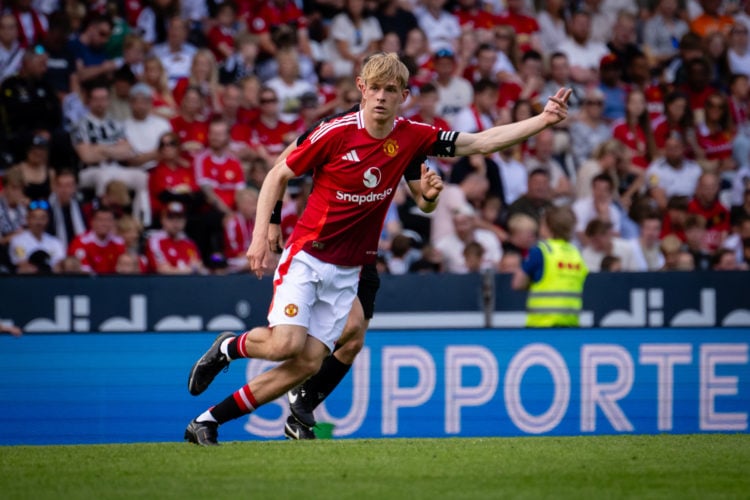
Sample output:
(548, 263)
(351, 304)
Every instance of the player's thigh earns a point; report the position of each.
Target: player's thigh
(295, 292)
(355, 324)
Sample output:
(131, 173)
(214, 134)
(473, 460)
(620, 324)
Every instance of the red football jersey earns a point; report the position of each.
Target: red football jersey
(238, 233)
(179, 180)
(717, 145)
(190, 131)
(355, 177)
(224, 174)
(98, 256)
(717, 221)
(274, 139)
(634, 141)
(178, 252)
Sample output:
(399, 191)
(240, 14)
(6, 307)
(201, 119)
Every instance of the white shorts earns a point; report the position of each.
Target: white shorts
(315, 294)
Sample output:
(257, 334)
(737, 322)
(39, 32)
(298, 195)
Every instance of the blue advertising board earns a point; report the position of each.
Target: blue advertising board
(109, 387)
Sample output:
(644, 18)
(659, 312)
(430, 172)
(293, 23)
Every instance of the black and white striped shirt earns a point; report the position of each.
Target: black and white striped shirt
(93, 130)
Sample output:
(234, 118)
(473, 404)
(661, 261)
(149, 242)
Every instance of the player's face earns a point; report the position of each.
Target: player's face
(382, 99)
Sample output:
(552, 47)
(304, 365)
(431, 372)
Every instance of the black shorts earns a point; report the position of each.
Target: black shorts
(369, 282)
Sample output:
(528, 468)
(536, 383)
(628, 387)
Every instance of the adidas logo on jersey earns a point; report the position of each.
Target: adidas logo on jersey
(351, 156)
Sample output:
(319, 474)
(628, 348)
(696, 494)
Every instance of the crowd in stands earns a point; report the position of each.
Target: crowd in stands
(135, 134)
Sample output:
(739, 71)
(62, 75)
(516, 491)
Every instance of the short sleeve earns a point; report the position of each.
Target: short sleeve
(533, 264)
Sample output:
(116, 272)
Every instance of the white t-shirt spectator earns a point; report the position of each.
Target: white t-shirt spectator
(358, 40)
(24, 244)
(623, 249)
(176, 64)
(586, 212)
(586, 56)
(453, 97)
(144, 135)
(289, 96)
(452, 250)
(514, 176)
(442, 32)
(674, 182)
(739, 63)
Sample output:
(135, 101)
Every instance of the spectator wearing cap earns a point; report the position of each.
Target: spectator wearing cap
(11, 51)
(354, 34)
(29, 103)
(440, 26)
(454, 91)
(288, 86)
(169, 250)
(67, 219)
(466, 231)
(33, 251)
(583, 53)
(176, 54)
(98, 249)
(144, 128)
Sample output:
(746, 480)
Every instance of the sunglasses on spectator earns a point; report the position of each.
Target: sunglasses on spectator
(39, 205)
(268, 100)
(167, 144)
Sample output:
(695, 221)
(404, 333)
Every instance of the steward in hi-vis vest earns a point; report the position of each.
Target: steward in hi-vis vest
(554, 273)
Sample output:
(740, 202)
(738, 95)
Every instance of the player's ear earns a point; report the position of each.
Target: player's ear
(360, 84)
(404, 94)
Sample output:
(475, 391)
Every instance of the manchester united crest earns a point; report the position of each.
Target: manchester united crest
(390, 147)
(291, 310)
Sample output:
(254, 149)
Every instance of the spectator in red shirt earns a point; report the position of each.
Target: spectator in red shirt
(99, 248)
(273, 14)
(221, 36)
(716, 133)
(238, 229)
(204, 74)
(677, 118)
(270, 135)
(526, 27)
(155, 77)
(697, 83)
(706, 203)
(190, 125)
(634, 132)
(471, 16)
(173, 178)
(218, 172)
(169, 250)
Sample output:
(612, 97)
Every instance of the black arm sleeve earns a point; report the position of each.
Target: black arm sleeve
(445, 145)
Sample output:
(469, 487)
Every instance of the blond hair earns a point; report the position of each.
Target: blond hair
(384, 67)
(521, 222)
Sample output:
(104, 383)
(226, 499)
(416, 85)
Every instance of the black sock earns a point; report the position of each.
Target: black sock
(320, 385)
(238, 404)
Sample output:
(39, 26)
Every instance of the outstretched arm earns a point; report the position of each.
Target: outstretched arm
(500, 137)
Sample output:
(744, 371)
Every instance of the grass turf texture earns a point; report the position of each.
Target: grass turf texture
(664, 466)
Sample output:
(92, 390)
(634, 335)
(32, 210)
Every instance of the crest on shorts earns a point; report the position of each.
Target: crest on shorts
(291, 310)
(390, 147)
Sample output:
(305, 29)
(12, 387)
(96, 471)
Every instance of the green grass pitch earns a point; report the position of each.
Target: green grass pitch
(591, 467)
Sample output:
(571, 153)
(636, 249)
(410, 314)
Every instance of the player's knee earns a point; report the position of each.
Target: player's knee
(286, 347)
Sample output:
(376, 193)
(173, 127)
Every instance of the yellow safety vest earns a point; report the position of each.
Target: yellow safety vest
(556, 299)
